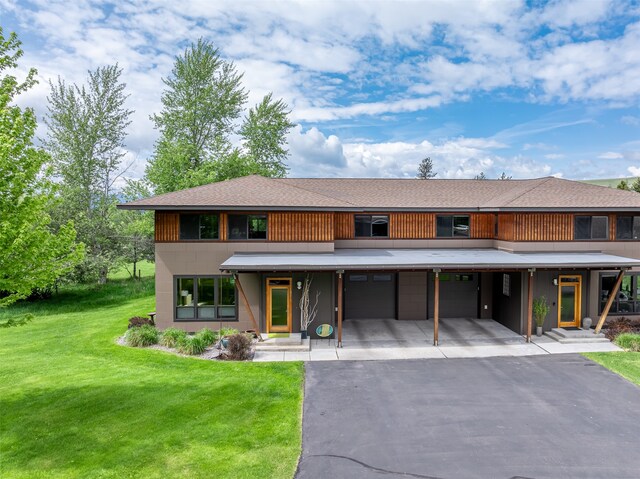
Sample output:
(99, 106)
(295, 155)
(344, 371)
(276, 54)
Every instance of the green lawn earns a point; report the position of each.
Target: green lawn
(626, 364)
(74, 404)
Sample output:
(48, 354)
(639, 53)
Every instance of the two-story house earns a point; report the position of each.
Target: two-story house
(237, 251)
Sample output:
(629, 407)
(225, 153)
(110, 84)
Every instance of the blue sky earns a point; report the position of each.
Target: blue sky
(529, 88)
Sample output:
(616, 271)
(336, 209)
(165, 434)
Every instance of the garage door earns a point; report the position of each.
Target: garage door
(458, 295)
(370, 296)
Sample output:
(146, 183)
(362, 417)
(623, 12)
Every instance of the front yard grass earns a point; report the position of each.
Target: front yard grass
(74, 404)
(626, 364)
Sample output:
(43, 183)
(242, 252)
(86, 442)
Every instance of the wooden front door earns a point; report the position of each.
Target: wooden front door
(569, 300)
(279, 305)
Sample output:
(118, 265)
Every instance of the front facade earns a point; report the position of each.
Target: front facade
(237, 252)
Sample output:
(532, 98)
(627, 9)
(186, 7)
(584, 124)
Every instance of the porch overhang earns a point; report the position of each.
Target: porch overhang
(423, 259)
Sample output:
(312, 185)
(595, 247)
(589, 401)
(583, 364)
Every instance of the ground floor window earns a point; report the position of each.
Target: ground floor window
(628, 297)
(205, 298)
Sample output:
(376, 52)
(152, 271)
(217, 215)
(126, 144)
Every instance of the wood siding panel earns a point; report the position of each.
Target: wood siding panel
(311, 227)
(482, 225)
(344, 226)
(536, 227)
(412, 225)
(506, 226)
(167, 227)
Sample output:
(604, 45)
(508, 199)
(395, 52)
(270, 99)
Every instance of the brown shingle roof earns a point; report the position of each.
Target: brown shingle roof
(256, 192)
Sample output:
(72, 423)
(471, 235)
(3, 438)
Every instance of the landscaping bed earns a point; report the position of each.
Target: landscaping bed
(226, 344)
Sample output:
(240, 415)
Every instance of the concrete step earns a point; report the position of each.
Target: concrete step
(302, 345)
(561, 336)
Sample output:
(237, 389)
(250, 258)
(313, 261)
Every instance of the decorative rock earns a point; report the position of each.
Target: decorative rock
(586, 323)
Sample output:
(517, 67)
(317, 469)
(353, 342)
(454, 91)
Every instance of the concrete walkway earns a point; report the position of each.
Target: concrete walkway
(458, 338)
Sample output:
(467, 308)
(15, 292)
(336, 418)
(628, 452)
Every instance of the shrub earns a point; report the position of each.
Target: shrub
(228, 332)
(192, 345)
(138, 321)
(208, 336)
(172, 336)
(629, 342)
(239, 347)
(617, 326)
(145, 335)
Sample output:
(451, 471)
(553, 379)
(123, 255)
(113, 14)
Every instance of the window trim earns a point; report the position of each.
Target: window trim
(247, 215)
(452, 216)
(633, 220)
(371, 236)
(591, 238)
(180, 215)
(216, 293)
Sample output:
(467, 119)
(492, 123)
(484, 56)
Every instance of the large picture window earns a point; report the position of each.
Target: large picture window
(205, 298)
(591, 227)
(452, 226)
(628, 228)
(198, 227)
(628, 297)
(367, 226)
(247, 227)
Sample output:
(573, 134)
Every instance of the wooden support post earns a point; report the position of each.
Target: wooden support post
(340, 287)
(246, 305)
(436, 307)
(607, 306)
(529, 305)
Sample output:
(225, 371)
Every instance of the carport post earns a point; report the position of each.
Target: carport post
(530, 304)
(436, 305)
(339, 309)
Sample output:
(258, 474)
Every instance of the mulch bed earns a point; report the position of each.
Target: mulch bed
(614, 327)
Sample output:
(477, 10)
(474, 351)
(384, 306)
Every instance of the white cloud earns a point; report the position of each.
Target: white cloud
(314, 154)
(611, 155)
(634, 170)
(630, 120)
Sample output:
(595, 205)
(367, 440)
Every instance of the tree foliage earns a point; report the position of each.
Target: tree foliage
(201, 109)
(425, 169)
(630, 186)
(31, 255)
(87, 128)
(264, 132)
(481, 176)
(504, 176)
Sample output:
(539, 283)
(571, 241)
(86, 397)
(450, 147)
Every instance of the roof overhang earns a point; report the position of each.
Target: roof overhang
(423, 259)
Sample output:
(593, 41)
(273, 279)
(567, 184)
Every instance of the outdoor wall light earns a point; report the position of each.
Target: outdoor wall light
(299, 284)
(555, 281)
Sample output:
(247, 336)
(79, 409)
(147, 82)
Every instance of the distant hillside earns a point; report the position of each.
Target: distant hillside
(611, 182)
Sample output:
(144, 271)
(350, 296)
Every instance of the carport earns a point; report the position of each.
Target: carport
(434, 261)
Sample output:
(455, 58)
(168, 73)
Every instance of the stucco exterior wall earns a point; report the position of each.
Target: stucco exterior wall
(195, 258)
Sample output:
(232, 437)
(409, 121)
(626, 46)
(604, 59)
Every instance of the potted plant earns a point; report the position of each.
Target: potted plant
(307, 312)
(540, 312)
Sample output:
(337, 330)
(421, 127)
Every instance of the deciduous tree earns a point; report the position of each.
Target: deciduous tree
(31, 254)
(87, 128)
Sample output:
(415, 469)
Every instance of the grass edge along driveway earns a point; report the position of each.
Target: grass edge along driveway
(74, 404)
(623, 363)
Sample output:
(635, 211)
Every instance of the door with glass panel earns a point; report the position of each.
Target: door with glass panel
(569, 301)
(279, 305)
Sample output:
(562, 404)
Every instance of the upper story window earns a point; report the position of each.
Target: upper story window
(452, 226)
(371, 226)
(198, 227)
(591, 227)
(247, 227)
(628, 228)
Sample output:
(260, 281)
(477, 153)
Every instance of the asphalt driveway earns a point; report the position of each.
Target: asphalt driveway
(527, 417)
